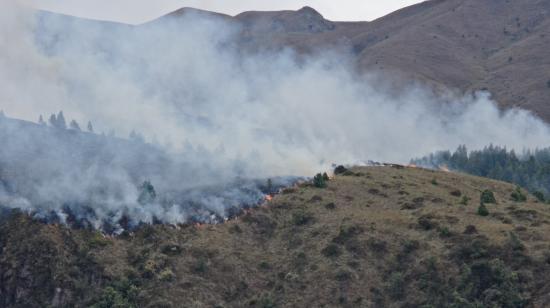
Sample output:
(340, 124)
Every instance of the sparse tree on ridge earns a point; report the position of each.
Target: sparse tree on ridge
(90, 127)
(61, 121)
(74, 126)
(2, 115)
(41, 120)
(53, 120)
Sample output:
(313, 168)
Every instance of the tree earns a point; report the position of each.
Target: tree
(319, 181)
(41, 120)
(147, 193)
(2, 115)
(74, 126)
(53, 120)
(90, 127)
(61, 124)
(482, 210)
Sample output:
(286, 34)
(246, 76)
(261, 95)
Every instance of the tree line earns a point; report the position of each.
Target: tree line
(530, 169)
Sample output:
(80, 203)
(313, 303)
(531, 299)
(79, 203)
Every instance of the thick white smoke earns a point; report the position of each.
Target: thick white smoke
(185, 82)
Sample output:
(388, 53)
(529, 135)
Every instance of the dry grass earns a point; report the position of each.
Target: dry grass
(337, 246)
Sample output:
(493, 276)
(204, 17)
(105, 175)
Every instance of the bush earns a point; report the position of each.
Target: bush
(444, 232)
(331, 251)
(434, 182)
(456, 193)
(482, 210)
(487, 196)
(540, 196)
(301, 218)
(340, 170)
(319, 181)
(396, 286)
(465, 200)
(166, 275)
(518, 196)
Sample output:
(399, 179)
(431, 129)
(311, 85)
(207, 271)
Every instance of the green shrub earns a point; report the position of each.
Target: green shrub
(340, 170)
(319, 181)
(444, 232)
(301, 218)
(200, 267)
(456, 193)
(121, 294)
(482, 210)
(331, 251)
(487, 196)
(518, 196)
(396, 286)
(540, 196)
(166, 275)
(97, 240)
(465, 200)
(434, 182)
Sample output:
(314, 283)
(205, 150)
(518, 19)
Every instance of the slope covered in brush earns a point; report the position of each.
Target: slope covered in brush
(378, 236)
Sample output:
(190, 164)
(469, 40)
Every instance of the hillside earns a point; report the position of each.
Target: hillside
(458, 45)
(461, 45)
(376, 236)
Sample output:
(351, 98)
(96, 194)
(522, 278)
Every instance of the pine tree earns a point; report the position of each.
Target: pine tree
(74, 126)
(61, 124)
(53, 120)
(90, 127)
(41, 120)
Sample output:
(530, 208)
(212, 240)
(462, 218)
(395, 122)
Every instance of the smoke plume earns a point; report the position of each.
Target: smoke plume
(216, 118)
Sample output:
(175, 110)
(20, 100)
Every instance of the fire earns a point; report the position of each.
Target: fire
(444, 168)
(268, 198)
(412, 166)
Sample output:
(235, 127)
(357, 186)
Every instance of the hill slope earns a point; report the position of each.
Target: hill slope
(381, 236)
(496, 45)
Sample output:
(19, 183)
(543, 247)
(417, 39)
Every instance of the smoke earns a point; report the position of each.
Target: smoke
(219, 113)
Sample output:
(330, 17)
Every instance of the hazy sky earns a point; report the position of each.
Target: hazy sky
(136, 11)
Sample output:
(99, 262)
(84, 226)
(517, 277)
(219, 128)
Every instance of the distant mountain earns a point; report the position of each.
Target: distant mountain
(465, 45)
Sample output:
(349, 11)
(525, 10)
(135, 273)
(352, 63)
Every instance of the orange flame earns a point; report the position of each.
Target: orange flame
(444, 168)
(268, 198)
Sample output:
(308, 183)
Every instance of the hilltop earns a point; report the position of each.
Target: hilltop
(376, 236)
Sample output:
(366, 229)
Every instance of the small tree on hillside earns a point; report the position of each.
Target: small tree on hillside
(90, 127)
(53, 120)
(319, 181)
(41, 120)
(61, 123)
(147, 193)
(74, 126)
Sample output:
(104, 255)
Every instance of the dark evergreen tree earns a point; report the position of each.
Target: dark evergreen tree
(74, 125)
(61, 123)
(147, 193)
(90, 127)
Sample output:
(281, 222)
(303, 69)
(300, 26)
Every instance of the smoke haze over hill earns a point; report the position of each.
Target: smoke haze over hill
(185, 82)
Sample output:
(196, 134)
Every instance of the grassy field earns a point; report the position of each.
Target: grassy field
(375, 237)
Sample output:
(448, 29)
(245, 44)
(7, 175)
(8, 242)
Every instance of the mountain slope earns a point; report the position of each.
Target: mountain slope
(465, 45)
(378, 236)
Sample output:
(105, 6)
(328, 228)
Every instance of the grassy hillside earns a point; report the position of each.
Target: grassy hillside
(375, 237)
